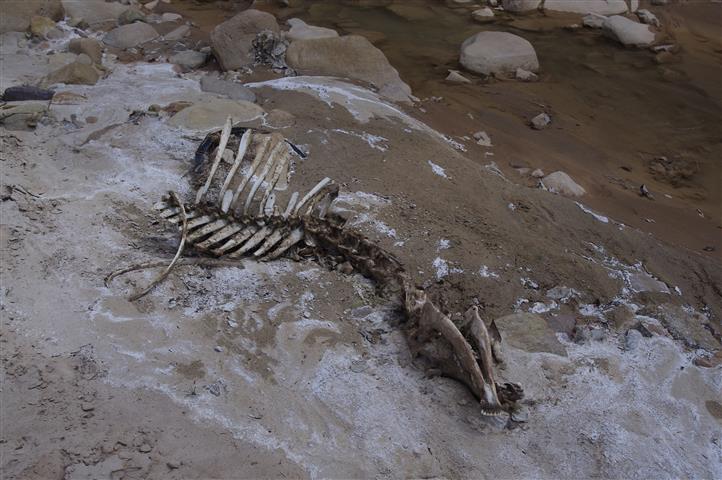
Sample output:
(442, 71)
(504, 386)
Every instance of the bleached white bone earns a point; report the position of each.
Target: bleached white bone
(169, 212)
(242, 147)
(179, 219)
(225, 135)
(310, 194)
(252, 242)
(270, 207)
(271, 184)
(273, 157)
(221, 235)
(202, 220)
(236, 240)
(271, 241)
(207, 229)
(291, 203)
(260, 154)
(291, 239)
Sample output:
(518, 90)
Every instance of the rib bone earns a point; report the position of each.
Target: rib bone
(242, 147)
(219, 155)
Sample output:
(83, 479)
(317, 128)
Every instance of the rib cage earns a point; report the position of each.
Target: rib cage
(239, 210)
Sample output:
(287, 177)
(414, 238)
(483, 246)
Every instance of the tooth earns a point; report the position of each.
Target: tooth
(291, 239)
(242, 147)
(207, 229)
(225, 135)
(261, 150)
(252, 242)
(221, 235)
(310, 194)
(272, 158)
(236, 240)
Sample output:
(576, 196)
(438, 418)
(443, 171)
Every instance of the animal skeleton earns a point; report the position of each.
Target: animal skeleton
(236, 213)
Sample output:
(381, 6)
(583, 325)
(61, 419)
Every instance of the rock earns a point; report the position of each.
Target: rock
(213, 114)
(150, 6)
(455, 77)
(41, 27)
(84, 59)
(280, 119)
(177, 33)
(643, 282)
(632, 339)
(230, 89)
(131, 35)
(131, 15)
(659, 2)
(22, 115)
(520, 415)
(94, 11)
(561, 183)
(411, 13)
(593, 20)
(89, 46)
(622, 317)
(188, 59)
(145, 448)
(692, 328)
(645, 16)
(73, 74)
(628, 32)
(525, 75)
(497, 52)
(709, 361)
(482, 138)
(633, 5)
(529, 332)
(598, 334)
(541, 121)
(538, 173)
(231, 40)
(300, 30)
(519, 6)
(60, 59)
(601, 7)
(78, 23)
(170, 17)
(331, 55)
(483, 15)
(26, 92)
(17, 18)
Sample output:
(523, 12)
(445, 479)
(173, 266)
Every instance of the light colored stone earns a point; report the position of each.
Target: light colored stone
(483, 15)
(22, 115)
(633, 5)
(170, 17)
(351, 56)
(131, 35)
(541, 121)
(593, 20)
(60, 59)
(232, 39)
(17, 18)
(632, 339)
(188, 59)
(41, 26)
(645, 16)
(628, 32)
(519, 6)
(300, 30)
(89, 46)
(213, 114)
(497, 53)
(601, 7)
(228, 88)
(482, 138)
(94, 11)
(525, 75)
(538, 173)
(411, 13)
(73, 74)
(455, 77)
(178, 33)
(131, 15)
(561, 183)
(529, 332)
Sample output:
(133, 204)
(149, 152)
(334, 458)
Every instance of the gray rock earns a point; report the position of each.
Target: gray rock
(88, 46)
(350, 56)
(43, 27)
(22, 115)
(94, 11)
(73, 74)
(541, 121)
(525, 75)
(232, 39)
(26, 92)
(632, 339)
(645, 16)
(455, 77)
(561, 183)
(482, 138)
(230, 89)
(601, 7)
(188, 59)
(529, 332)
(300, 30)
(538, 173)
(131, 15)
(520, 415)
(213, 114)
(519, 6)
(593, 20)
(483, 15)
(177, 33)
(170, 17)
(498, 52)
(628, 32)
(598, 334)
(17, 18)
(131, 35)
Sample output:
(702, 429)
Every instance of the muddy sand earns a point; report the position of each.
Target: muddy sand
(287, 369)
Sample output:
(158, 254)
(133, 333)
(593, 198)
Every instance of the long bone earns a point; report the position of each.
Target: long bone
(291, 204)
(219, 155)
(228, 200)
(291, 239)
(242, 148)
(273, 157)
(271, 241)
(271, 184)
(236, 240)
(482, 341)
(220, 235)
(207, 229)
(252, 242)
(310, 195)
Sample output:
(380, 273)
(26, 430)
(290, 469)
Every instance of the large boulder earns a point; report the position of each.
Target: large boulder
(94, 11)
(601, 7)
(628, 32)
(131, 35)
(15, 15)
(561, 183)
(300, 30)
(212, 114)
(498, 53)
(232, 39)
(520, 6)
(351, 56)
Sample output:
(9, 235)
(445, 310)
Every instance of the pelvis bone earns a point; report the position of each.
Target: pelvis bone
(237, 211)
